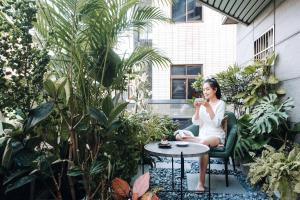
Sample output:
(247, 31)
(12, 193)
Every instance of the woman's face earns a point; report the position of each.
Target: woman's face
(208, 91)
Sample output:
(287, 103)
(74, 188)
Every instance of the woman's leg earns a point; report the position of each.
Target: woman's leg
(211, 141)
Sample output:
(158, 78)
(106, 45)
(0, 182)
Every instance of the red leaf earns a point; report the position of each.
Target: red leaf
(155, 197)
(120, 187)
(141, 185)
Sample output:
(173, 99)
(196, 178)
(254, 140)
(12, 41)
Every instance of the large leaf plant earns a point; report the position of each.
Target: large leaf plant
(277, 171)
(85, 74)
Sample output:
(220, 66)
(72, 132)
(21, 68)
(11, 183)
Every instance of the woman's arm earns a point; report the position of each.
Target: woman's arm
(195, 118)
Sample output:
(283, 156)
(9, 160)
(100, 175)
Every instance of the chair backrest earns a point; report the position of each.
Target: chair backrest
(231, 120)
(232, 131)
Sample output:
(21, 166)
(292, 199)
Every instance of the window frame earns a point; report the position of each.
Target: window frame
(187, 21)
(261, 46)
(185, 77)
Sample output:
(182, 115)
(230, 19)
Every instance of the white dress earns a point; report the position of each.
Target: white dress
(211, 127)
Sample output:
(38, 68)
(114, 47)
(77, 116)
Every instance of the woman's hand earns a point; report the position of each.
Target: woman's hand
(197, 104)
(205, 104)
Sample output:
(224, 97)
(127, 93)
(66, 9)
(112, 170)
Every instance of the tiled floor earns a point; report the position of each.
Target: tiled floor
(238, 188)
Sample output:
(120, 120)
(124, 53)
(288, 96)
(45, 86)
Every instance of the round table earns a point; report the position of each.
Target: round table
(191, 150)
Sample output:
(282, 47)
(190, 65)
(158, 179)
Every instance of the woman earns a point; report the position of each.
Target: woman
(208, 115)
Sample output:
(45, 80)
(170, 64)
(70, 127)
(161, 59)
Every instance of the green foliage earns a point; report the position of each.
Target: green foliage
(137, 130)
(244, 87)
(248, 141)
(270, 113)
(232, 82)
(25, 159)
(38, 114)
(22, 62)
(151, 127)
(277, 171)
(198, 84)
(255, 94)
(85, 73)
(87, 58)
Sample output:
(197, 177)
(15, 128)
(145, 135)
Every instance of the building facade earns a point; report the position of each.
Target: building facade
(278, 24)
(196, 42)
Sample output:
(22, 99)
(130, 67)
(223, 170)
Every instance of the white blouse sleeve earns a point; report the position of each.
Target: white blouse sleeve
(198, 121)
(219, 114)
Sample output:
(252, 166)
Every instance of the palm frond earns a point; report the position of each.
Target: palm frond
(144, 55)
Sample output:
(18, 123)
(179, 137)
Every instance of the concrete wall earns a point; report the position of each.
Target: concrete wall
(285, 17)
(207, 42)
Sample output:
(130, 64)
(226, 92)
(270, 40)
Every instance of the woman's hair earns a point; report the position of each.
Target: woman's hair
(214, 85)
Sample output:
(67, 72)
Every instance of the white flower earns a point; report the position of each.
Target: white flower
(19, 40)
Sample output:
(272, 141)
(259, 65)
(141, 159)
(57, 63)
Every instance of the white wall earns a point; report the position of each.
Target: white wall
(286, 19)
(207, 42)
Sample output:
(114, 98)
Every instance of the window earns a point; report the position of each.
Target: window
(264, 45)
(186, 11)
(182, 78)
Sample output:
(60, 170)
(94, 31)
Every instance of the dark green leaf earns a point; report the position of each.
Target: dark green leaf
(107, 105)
(114, 126)
(75, 171)
(99, 115)
(38, 114)
(116, 111)
(32, 142)
(96, 168)
(6, 125)
(15, 175)
(20, 183)
(25, 158)
(50, 88)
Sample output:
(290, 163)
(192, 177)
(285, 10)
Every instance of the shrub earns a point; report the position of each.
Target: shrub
(277, 171)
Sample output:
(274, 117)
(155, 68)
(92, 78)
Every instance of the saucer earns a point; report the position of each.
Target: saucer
(182, 144)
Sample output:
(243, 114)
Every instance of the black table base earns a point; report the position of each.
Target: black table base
(182, 177)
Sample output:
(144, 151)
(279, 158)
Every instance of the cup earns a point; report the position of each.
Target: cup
(199, 100)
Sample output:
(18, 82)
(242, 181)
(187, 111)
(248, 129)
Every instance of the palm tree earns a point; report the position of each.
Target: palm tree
(81, 36)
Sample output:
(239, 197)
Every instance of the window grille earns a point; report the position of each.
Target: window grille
(264, 45)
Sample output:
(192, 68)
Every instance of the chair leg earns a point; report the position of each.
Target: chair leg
(232, 158)
(226, 171)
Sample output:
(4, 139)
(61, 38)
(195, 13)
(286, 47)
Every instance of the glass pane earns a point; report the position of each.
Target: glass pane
(194, 10)
(178, 70)
(178, 11)
(193, 70)
(191, 91)
(178, 89)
